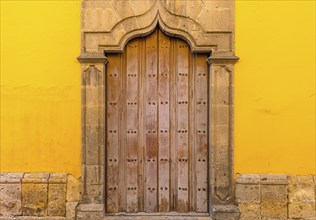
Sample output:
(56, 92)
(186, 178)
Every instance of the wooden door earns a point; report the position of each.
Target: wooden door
(157, 127)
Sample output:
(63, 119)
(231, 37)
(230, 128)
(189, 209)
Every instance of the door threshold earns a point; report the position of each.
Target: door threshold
(158, 216)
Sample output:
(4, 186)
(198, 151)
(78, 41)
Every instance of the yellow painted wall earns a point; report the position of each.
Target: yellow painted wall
(274, 86)
(40, 86)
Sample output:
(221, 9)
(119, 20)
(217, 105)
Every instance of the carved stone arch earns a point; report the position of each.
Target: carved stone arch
(205, 26)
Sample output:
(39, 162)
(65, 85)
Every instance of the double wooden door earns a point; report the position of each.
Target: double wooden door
(157, 127)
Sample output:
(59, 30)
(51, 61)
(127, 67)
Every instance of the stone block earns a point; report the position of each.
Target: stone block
(223, 135)
(92, 156)
(274, 201)
(93, 78)
(301, 210)
(226, 216)
(274, 194)
(90, 215)
(221, 96)
(10, 199)
(58, 178)
(222, 77)
(94, 174)
(71, 210)
(301, 197)
(274, 210)
(95, 193)
(248, 193)
(11, 177)
(34, 199)
(73, 189)
(32, 218)
(248, 179)
(35, 178)
(56, 199)
(273, 179)
(92, 137)
(249, 211)
(94, 116)
(222, 115)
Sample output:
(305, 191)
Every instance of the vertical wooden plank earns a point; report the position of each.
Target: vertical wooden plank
(201, 90)
(122, 137)
(141, 134)
(132, 87)
(150, 124)
(192, 128)
(183, 125)
(163, 122)
(173, 125)
(112, 129)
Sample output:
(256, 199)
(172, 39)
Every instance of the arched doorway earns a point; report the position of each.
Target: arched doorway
(154, 169)
(157, 139)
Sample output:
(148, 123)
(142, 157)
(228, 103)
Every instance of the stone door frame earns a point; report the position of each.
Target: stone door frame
(207, 26)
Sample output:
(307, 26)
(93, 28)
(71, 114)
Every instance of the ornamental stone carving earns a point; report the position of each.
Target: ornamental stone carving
(205, 25)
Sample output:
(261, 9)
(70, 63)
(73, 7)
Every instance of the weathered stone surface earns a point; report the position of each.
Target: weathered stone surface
(71, 210)
(95, 193)
(92, 207)
(11, 177)
(226, 216)
(34, 199)
(273, 179)
(58, 178)
(73, 189)
(94, 174)
(274, 210)
(274, 193)
(274, 201)
(248, 193)
(199, 22)
(57, 199)
(35, 178)
(248, 179)
(249, 211)
(89, 215)
(301, 197)
(10, 199)
(32, 218)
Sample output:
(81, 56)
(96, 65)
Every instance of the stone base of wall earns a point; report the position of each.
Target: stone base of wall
(55, 196)
(38, 195)
(276, 197)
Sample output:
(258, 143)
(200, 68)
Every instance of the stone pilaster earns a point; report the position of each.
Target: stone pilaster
(93, 134)
(221, 136)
